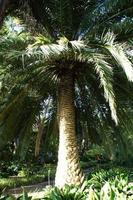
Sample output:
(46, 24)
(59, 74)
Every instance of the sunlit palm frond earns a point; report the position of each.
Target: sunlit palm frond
(118, 54)
(105, 73)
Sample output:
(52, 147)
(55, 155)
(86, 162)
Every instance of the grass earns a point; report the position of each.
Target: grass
(17, 181)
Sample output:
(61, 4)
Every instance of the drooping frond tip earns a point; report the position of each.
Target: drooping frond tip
(105, 73)
(118, 54)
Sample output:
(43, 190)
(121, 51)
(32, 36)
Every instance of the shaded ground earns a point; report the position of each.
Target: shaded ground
(34, 189)
(31, 189)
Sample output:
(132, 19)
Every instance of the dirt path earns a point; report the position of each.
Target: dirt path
(31, 189)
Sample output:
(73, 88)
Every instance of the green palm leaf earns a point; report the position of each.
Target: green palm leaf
(106, 79)
(118, 53)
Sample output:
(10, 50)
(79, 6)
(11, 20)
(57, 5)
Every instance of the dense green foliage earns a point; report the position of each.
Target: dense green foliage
(39, 42)
(28, 90)
(112, 184)
(18, 174)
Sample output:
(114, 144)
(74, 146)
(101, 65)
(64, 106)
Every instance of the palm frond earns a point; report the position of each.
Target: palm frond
(105, 73)
(17, 119)
(118, 54)
(77, 45)
(46, 52)
(64, 16)
(25, 132)
(103, 14)
(104, 70)
(123, 29)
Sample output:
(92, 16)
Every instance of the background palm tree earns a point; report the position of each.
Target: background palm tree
(74, 47)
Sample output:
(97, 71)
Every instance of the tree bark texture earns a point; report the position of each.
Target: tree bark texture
(68, 168)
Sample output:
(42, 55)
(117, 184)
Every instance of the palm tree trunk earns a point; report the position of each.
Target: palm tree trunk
(68, 168)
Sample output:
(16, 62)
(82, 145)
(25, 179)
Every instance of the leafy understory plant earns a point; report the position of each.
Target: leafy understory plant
(111, 185)
(65, 193)
(108, 191)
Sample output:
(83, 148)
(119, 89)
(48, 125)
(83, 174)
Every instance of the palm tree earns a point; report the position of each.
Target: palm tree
(75, 47)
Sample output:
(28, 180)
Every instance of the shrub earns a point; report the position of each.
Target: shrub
(66, 193)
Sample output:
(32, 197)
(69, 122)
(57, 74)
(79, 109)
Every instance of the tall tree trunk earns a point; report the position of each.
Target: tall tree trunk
(39, 137)
(68, 168)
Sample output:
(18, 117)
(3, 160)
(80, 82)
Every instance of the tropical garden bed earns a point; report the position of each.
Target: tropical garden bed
(116, 183)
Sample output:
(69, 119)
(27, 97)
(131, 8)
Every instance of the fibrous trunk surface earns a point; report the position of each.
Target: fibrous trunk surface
(68, 168)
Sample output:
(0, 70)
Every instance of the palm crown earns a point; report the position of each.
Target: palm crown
(75, 47)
